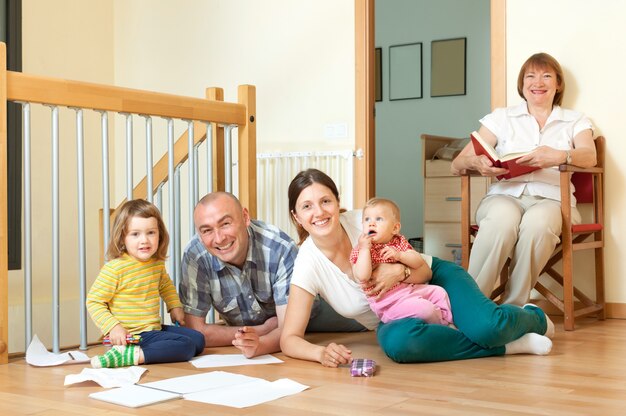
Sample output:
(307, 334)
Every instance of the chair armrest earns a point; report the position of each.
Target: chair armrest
(572, 168)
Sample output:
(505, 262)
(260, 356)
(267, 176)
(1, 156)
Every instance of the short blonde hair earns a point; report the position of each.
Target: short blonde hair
(395, 210)
(136, 208)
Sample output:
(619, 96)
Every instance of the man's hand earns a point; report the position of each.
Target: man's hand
(248, 338)
(247, 341)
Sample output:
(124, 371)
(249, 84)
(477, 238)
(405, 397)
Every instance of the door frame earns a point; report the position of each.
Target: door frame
(365, 111)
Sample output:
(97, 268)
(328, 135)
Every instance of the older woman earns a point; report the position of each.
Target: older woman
(323, 267)
(520, 217)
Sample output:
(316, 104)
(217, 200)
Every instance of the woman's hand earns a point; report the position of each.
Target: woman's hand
(384, 277)
(118, 335)
(484, 166)
(543, 157)
(335, 355)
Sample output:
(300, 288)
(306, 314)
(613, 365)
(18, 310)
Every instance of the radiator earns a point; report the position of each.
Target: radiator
(276, 170)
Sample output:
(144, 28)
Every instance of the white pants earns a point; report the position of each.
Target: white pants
(526, 229)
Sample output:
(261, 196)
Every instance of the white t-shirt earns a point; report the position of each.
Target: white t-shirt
(316, 274)
(518, 131)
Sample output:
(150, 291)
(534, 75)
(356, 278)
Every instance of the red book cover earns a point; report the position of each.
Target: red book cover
(508, 161)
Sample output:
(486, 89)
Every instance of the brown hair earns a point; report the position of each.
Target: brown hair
(543, 61)
(136, 208)
(303, 180)
(395, 210)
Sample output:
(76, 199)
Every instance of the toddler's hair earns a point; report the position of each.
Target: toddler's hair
(136, 208)
(395, 210)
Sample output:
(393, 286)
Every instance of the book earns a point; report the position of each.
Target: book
(508, 161)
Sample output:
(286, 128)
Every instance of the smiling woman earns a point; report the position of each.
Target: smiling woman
(520, 217)
(322, 268)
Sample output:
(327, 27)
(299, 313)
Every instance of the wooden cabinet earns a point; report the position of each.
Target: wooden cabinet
(442, 198)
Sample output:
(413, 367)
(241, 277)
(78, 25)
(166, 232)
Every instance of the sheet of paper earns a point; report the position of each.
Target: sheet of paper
(229, 360)
(248, 394)
(39, 356)
(199, 382)
(134, 396)
(107, 377)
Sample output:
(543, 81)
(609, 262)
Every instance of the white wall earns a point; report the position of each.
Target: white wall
(587, 39)
(298, 54)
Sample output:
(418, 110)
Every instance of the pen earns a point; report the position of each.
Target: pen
(130, 339)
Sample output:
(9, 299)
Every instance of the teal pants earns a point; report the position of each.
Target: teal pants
(483, 326)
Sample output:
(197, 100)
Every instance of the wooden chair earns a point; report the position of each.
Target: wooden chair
(589, 184)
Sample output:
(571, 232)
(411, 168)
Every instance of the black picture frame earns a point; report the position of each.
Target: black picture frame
(448, 67)
(405, 71)
(378, 73)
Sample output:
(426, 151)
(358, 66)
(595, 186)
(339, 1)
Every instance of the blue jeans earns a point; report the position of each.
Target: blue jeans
(483, 327)
(171, 344)
(325, 319)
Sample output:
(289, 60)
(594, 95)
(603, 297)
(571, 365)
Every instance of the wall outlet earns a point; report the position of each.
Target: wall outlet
(336, 130)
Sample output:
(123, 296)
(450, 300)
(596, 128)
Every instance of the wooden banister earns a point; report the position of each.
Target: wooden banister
(37, 89)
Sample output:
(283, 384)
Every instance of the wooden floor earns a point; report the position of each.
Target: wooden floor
(584, 375)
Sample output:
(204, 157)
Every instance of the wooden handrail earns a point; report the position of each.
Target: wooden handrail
(43, 90)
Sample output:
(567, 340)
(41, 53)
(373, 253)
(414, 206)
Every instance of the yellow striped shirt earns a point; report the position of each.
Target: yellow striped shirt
(128, 292)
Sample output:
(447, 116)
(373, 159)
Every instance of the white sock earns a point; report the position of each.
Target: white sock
(530, 343)
(550, 325)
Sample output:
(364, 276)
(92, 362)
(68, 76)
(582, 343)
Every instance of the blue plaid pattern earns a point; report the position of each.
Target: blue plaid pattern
(242, 297)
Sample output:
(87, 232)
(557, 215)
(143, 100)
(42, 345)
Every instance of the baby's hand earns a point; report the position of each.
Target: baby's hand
(365, 241)
(390, 253)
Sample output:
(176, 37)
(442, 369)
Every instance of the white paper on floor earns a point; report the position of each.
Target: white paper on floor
(248, 394)
(107, 377)
(229, 360)
(39, 356)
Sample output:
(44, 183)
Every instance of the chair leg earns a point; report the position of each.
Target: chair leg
(599, 252)
(568, 288)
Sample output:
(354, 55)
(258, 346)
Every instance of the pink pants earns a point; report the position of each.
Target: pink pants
(429, 303)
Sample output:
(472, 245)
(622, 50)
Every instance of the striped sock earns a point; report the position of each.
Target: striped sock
(117, 356)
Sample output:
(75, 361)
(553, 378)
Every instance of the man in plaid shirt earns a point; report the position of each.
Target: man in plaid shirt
(242, 268)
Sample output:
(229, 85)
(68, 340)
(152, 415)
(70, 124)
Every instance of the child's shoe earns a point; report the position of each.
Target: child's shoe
(117, 356)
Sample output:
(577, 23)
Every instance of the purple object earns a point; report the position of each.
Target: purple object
(362, 367)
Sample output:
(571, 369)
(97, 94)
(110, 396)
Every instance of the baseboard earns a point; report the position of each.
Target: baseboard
(613, 310)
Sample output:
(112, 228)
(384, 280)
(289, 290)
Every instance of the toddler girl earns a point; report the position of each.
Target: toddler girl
(124, 301)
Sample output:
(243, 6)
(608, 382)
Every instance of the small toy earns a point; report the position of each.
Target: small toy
(362, 367)
(130, 339)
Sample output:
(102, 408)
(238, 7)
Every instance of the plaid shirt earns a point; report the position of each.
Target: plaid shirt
(242, 297)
